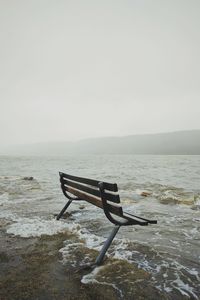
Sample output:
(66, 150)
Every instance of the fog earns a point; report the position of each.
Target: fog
(77, 69)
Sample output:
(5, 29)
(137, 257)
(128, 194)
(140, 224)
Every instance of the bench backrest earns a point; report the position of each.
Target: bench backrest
(89, 190)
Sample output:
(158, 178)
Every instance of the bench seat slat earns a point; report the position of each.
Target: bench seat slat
(133, 216)
(139, 220)
(108, 186)
(90, 190)
(117, 210)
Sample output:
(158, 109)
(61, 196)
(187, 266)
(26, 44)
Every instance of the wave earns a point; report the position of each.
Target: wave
(165, 194)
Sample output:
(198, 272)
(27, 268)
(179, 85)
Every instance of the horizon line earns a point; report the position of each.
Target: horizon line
(100, 137)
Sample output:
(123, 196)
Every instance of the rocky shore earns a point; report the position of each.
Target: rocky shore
(31, 268)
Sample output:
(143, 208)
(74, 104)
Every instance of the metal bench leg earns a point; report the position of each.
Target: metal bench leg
(106, 245)
(63, 210)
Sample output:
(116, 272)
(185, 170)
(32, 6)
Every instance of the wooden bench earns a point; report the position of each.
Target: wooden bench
(103, 195)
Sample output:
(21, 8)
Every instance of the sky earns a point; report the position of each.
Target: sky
(76, 69)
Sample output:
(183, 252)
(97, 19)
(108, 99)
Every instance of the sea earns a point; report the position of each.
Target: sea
(161, 187)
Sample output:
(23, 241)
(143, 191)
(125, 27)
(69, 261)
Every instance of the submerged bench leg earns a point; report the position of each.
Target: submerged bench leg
(106, 245)
(63, 210)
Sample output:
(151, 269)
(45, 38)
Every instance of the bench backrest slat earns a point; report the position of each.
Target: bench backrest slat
(89, 190)
(93, 190)
(113, 208)
(108, 186)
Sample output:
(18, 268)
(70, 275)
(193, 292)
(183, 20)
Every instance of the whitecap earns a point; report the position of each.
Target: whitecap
(35, 227)
(4, 198)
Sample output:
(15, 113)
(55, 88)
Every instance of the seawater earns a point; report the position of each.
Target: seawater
(170, 250)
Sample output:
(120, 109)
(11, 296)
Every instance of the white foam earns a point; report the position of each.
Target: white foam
(68, 250)
(183, 288)
(4, 214)
(26, 227)
(92, 241)
(197, 202)
(92, 278)
(89, 240)
(4, 198)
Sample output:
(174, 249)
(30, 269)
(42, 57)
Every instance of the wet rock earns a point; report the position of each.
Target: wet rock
(177, 199)
(66, 215)
(145, 193)
(187, 201)
(28, 178)
(82, 206)
(130, 282)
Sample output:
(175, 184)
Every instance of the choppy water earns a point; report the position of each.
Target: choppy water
(170, 251)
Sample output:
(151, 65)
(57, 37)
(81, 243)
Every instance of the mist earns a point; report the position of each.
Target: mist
(173, 143)
(72, 70)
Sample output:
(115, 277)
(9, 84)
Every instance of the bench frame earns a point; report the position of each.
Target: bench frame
(84, 189)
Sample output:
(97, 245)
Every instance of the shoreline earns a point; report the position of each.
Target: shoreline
(31, 268)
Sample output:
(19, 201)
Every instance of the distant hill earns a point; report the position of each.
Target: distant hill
(180, 142)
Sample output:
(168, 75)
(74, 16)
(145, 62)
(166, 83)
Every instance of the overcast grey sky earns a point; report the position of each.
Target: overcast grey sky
(77, 69)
